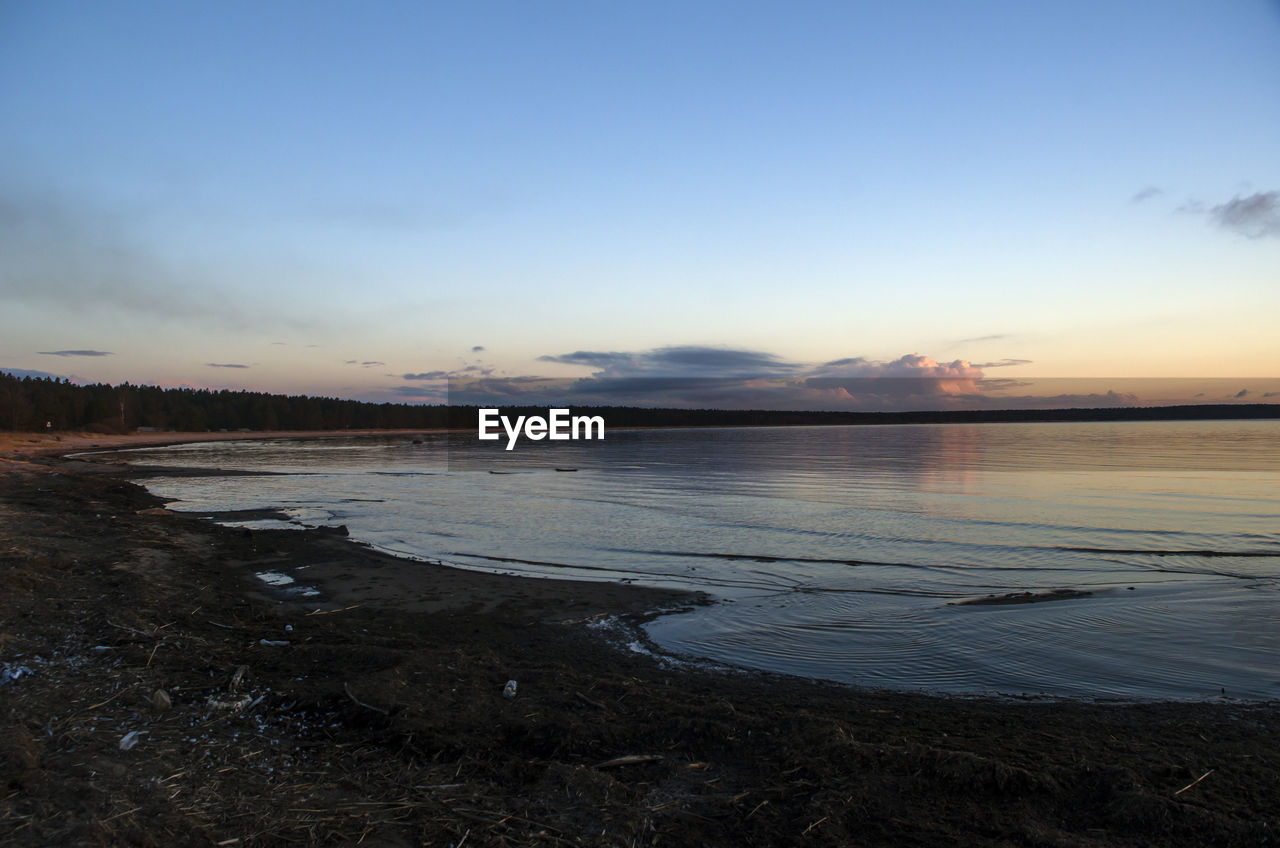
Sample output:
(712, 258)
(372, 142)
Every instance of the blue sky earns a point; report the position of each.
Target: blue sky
(336, 195)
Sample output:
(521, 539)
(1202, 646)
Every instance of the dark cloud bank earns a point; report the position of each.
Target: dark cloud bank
(692, 376)
(696, 377)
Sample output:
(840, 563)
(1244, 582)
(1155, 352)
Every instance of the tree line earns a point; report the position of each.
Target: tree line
(30, 403)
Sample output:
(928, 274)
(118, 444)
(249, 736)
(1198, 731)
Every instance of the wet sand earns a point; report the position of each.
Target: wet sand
(373, 712)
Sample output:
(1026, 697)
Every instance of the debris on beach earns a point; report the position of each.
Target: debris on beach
(236, 705)
(347, 688)
(284, 582)
(274, 578)
(630, 760)
(131, 739)
(10, 673)
(383, 729)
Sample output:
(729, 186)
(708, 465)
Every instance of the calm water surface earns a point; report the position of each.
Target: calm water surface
(841, 552)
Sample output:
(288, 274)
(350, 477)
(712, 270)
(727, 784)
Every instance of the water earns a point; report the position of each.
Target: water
(841, 552)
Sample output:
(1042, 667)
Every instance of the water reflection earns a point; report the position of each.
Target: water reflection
(836, 551)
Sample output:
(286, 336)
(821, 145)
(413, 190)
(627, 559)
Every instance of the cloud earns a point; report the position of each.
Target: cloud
(1242, 393)
(1003, 384)
(680, 361)
(595, 359)
(23, 372)
(1092, 400)
(225, 365)
(912, 365)
(413, 391)
(65, 255)
(697, 377)
(1002, 363)
(913, 378)
(477, 348)
(472, 370)
(701, 376)
(991, 338)
(722, 361)
(1256, 216)
(1146, 194)
(75, 353)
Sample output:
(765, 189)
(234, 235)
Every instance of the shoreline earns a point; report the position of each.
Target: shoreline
(383, 717)
(1001, 669)
(14, 446)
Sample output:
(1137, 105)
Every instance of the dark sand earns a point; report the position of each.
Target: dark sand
(382, 721)
(1024, 598)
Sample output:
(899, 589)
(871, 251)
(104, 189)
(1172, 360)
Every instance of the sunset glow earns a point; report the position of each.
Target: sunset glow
(333, 199)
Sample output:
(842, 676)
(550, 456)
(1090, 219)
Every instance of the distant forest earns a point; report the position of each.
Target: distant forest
(27, 403)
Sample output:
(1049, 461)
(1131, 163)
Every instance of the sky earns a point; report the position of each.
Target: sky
(367, 200)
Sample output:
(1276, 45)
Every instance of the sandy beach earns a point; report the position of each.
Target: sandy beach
(157, 691)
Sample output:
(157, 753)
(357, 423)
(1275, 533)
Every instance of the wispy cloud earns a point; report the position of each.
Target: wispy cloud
(225, 365)
(368, 363)
(76, 353)
(469, 371)
(477, 348)
(1146, 194)
(420, 394)
(1256, 216)
(1002, 363)
(64, 254)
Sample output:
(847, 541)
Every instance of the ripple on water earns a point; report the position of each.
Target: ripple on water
(836, 551)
